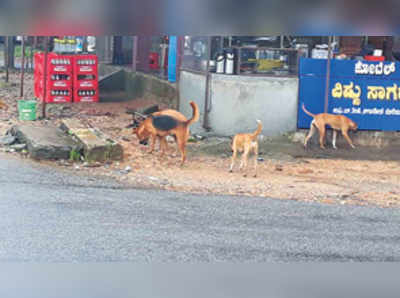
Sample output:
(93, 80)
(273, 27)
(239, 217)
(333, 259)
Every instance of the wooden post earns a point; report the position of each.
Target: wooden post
(206, 125)
(31, 54)
(22, 67)
(46, 51)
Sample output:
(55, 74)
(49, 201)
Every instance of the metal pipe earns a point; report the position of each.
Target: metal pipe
(7, 52)
(22, 67)
(206, 102)
(134, 54)
(328, 74)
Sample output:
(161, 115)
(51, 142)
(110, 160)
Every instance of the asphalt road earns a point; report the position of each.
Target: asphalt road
(52, 215)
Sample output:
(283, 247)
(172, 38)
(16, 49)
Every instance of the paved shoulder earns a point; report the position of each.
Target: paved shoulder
(56, 216)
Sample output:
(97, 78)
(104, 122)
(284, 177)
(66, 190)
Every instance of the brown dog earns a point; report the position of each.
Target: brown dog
(160, 126)
(336, 122)
(246, 143)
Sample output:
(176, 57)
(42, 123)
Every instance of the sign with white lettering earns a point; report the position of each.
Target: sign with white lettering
(366, 92)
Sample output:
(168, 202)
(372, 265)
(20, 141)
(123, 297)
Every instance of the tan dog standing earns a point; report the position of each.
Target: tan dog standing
(336, 122)
(246, 143)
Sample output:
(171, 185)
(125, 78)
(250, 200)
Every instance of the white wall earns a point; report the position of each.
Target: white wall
(237, 101)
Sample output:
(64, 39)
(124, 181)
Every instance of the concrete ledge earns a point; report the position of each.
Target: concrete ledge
(96, 145)
(48, 143)
(378, 139)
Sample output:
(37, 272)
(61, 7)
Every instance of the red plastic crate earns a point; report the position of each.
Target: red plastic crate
(55, 63)
(78, 97)
(85, 64)
(52, 85)
(59, 98)
(94, 98)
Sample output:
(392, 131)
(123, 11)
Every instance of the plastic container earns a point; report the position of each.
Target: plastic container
(27, 110)
(374, 58)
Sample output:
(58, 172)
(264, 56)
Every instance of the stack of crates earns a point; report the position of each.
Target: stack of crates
(70, 78)
(86, 86)
(59, 78)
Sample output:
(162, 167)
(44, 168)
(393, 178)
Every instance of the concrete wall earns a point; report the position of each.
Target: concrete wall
(121, 84)
(192, 87)
(140, 85)
(237, 101)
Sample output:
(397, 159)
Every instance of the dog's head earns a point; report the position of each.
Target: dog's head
(353, 126)
(141, 133)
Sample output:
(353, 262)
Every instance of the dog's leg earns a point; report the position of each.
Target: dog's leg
(245, 158)
(255, 159)
(346, 136)
(234, 156)
(182, 146)
(163, 145)
(322, 130)
(334, 139)
(153, 143)
(310, 134)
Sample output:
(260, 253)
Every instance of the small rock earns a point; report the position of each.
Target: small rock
(199, 137)
(126, 139)
(18, 147)
(77, 167)
(170, 139)
(261, 159)
(7, 140)
(279, 168)
(127, 170)
(306, 171)
(92, 164)
(64, 163)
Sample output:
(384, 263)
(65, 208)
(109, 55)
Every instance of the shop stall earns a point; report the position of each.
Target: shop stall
(363, 84)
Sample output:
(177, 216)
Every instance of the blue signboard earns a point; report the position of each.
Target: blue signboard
(366, 92)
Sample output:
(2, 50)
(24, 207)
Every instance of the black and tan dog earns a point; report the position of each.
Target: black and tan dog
(246, 143)
(336, 122)
(158, 126)
(145, 134)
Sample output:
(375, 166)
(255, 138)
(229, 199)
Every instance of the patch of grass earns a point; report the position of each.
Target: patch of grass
(74, 155)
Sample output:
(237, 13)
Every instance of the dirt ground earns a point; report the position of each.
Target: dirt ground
(364, 176)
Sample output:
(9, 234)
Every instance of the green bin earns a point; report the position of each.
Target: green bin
(27, 110)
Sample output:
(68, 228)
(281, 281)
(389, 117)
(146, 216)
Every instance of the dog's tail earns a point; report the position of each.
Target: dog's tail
(196, 114)
(258, 131)
(307, 112)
